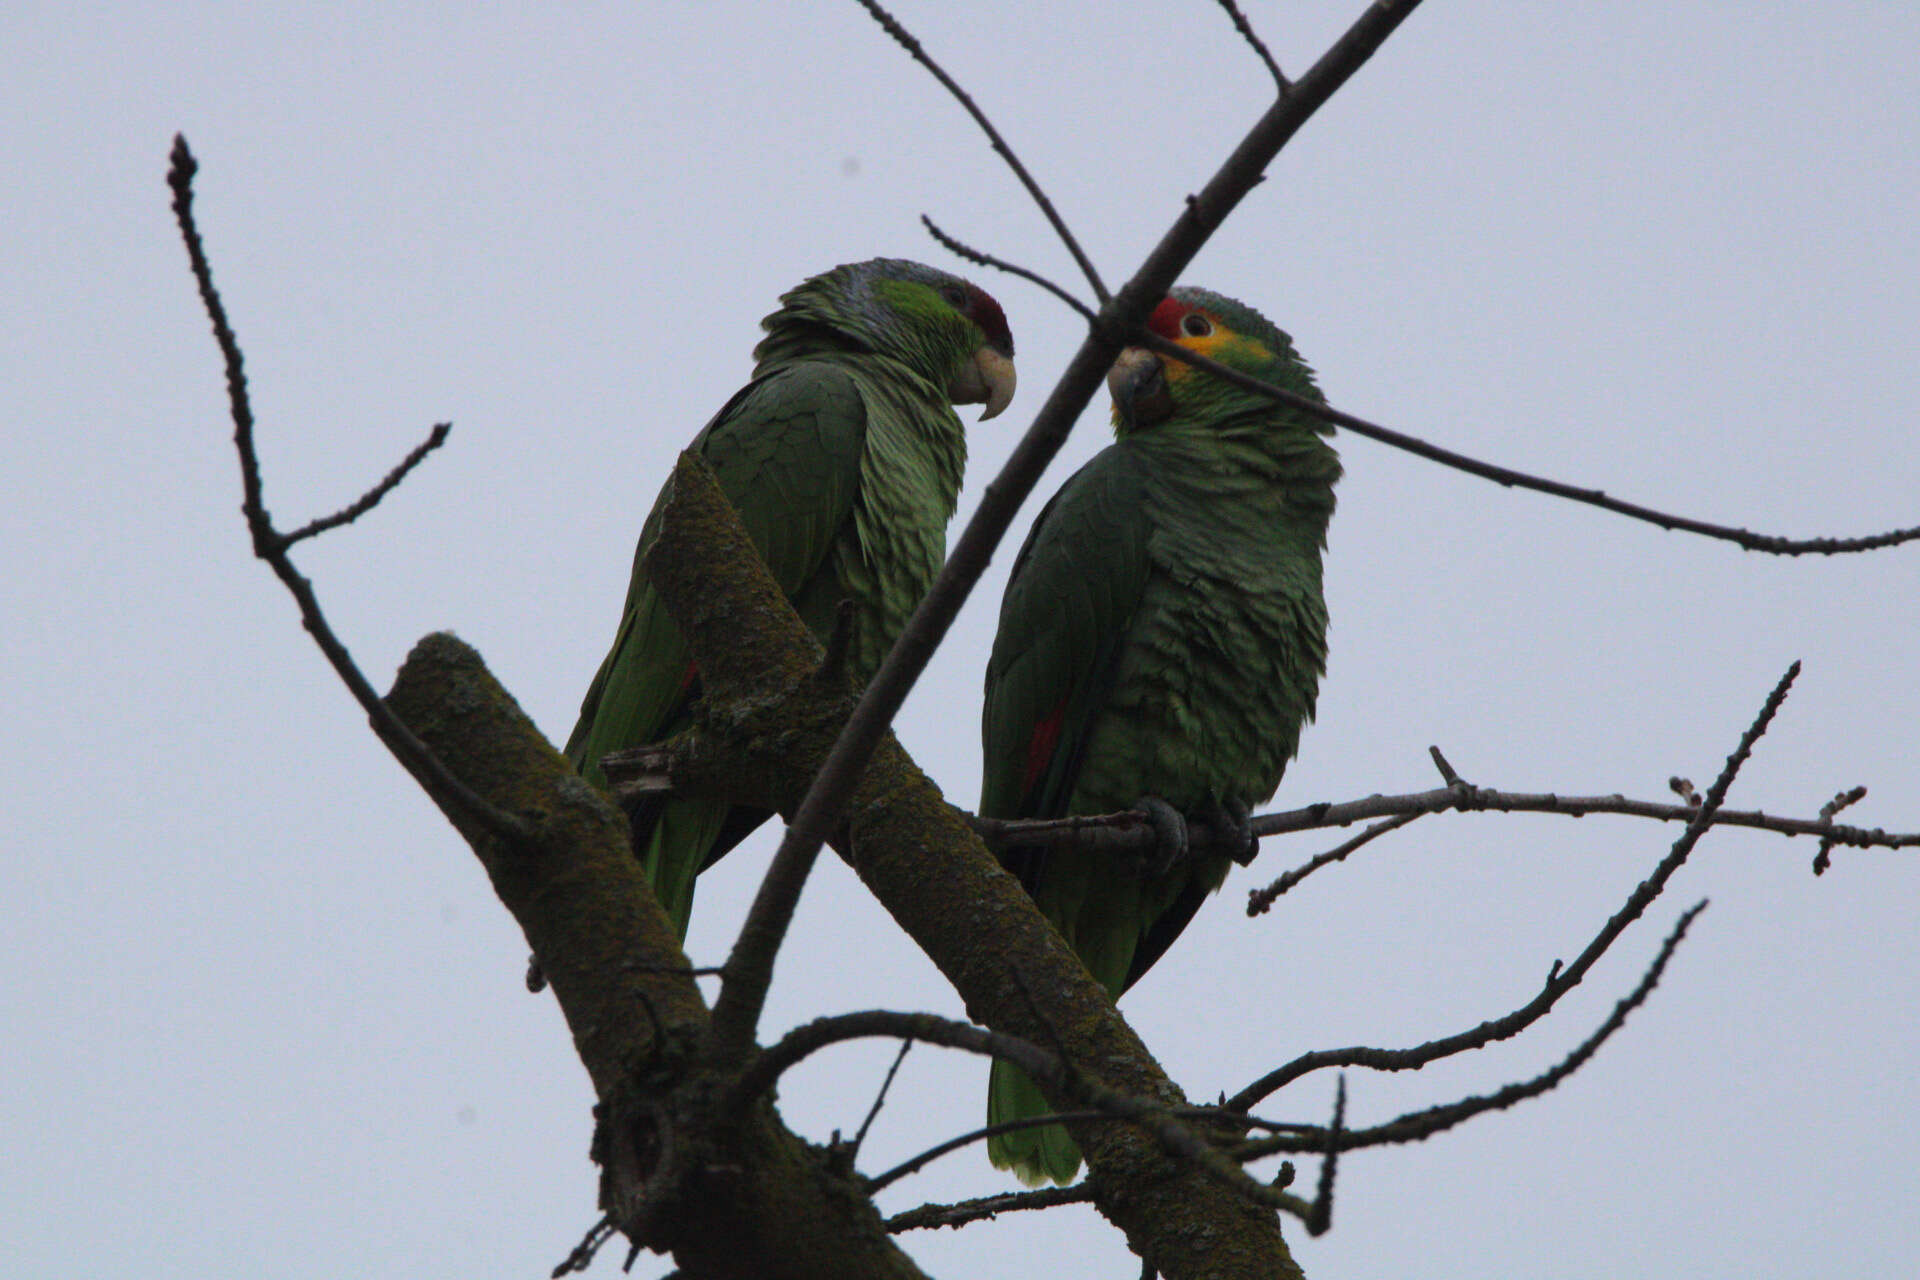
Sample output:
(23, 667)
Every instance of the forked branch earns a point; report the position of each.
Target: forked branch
(270, 545)
(917, 51)
(1772, 544)
(1561, 980)
(1128, 833)
(1418, 1125)
(1260, 49)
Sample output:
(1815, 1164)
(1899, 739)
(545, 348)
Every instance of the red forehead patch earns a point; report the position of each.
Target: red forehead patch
(1165, 319)
(992, 320)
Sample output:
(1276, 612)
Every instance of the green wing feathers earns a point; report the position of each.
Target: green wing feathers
(1072, 599)
(1075, 587)
(843, 458)
(787, 452)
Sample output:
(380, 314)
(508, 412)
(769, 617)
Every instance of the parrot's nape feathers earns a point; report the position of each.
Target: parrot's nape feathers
(864, 306)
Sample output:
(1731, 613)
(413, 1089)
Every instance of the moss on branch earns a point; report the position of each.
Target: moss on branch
(729, 1196)
(923, 861)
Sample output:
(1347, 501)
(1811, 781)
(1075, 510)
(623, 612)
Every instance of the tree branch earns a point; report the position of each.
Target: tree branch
(880, 1181)
(1416, 1126)
(1261, 899)
(1560, 981)
(979, 258)
(1046, 1068)
(557, 854)
(879, 1101)
(1248, 34)
(958, 1215)
(576, 890)
(270, 545)
(763, 711)
(371, 498)
(1320, 1212)
(1001, 501)
(1128, 833)
(730, 1195)
(698, 527)
(1772, 544)
(906, 40)
(930, 1028)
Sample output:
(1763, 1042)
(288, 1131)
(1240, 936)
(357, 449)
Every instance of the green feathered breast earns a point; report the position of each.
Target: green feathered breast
(1163, 634)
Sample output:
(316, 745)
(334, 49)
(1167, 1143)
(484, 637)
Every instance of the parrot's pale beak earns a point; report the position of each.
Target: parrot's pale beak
(988, 378)
(1138, 384)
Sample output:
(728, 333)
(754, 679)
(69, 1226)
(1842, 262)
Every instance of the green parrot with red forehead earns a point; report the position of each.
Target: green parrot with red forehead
(1161, 642)
(843, 456)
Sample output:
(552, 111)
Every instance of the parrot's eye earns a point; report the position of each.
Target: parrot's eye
(1196, 325)
(956, 296)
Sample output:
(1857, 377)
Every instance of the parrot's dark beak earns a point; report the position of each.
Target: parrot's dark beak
(1138, 384)
(987, 378)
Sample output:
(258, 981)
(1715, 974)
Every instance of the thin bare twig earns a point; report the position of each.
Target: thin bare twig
(1418, 1125)
(1171, 1133)
(880, 1098)
(1121, 828)
(965, 1211)
(1156, 1118)
(1261, 900)
(1842, 800)
(912, 1166)
(984, 259)
(270, 545)
(1772, 544)
(583, 1253)
(1560, 981)
(1212, 1115)
(1247, 33)
(811, 1037)
(680, 970)
(1822, 860)
(906, 40)
(1448, 774)
(1320, 1216)
(1128, 833)
(371, 498)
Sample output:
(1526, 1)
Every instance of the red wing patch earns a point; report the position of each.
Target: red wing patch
(1046, 736)
(690, 679)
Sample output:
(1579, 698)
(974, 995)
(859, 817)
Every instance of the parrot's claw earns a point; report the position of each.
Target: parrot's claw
(1170, 835)
(1235, 822)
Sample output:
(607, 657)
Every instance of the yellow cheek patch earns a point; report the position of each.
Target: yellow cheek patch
(1222, 345)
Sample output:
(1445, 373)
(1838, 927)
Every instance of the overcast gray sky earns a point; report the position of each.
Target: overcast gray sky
(264, 1017)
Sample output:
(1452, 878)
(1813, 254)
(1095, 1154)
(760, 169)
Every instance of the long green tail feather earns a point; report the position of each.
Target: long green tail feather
(686, 829)
(1034, 1155)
